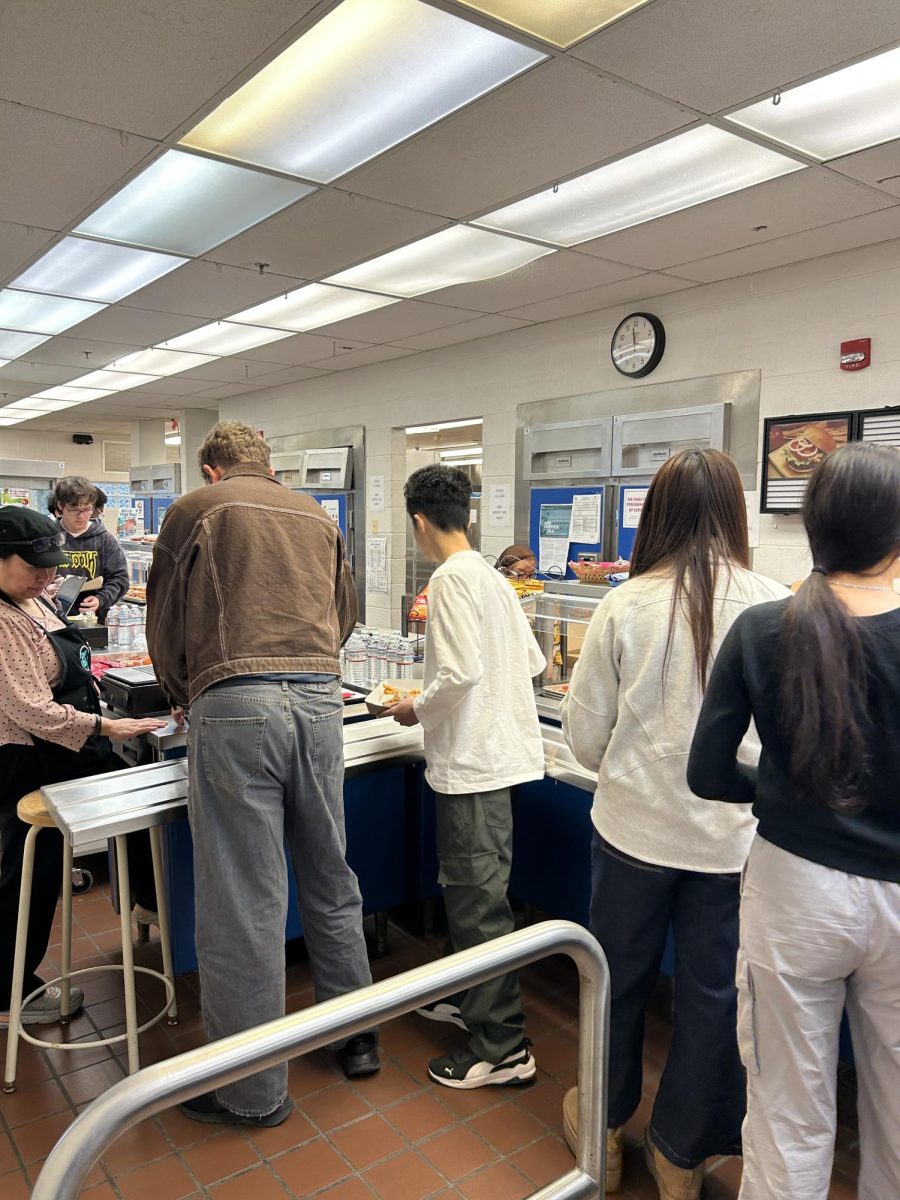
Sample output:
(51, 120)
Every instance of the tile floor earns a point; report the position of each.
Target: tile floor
(392, 1136)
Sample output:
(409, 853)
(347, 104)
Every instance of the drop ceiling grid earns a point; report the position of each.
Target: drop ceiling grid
(449, 167)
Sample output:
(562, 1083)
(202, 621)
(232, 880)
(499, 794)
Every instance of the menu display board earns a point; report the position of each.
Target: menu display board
(792, 449)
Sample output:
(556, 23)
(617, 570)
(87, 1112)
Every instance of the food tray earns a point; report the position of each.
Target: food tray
(385, 696)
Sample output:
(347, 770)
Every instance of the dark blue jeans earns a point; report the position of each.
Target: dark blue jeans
(700, 1101)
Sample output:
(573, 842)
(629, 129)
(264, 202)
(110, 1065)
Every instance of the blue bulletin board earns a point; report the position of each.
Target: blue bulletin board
(626, 533)
(562, 495)
(328, 500)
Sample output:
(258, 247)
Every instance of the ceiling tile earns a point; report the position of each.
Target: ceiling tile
(786, 205)
(476, 159)
(228, 370)
(466, 332)
(363, 358)
(396, 323)
(82, 353)
(640, 287)
(173, 385)
(290, 375)
(160, 61)
(61, 166)
(18, 244)
(712, 56)
(205, 290)
(223, 390)
(554, 275)
(301, 349)
(827, 239)
(879, 166)
(14, 389)
(142, 326)
(328, 231)
(34, 377)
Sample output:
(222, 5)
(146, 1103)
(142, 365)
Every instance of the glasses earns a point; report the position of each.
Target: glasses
(40, 545)
(82, 511)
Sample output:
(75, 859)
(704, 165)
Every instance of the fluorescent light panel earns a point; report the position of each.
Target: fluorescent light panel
(840, 113)
(4, 362)
(91, 270)
(365, 77)
(12, 420)
(222, 338)
(187, 204)
(462, 452)
(34, 313)
(562, 23)
(34, 405)
(456, 255)
(444, 425)
(310, 307)
(14, 344)
(465, 462)
(112, 381)
(160, 362)
(76, 395)
(686, 170)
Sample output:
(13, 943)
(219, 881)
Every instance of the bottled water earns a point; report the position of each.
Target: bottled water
(112, 626)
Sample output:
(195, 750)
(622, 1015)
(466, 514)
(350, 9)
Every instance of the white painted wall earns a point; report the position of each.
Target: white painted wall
(19, 442)
(788, 322)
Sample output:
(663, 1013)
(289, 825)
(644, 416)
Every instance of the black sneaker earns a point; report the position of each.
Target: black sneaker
(359, 1056)
(209, 1111)
(442, 1010)
(464, 1069)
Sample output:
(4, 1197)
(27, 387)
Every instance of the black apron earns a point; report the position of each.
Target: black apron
(76, 686)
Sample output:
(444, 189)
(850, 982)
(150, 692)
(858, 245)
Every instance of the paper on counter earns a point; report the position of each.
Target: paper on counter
(586, 515)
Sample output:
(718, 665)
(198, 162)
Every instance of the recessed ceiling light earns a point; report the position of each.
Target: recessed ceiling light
(688, 169)
(34, 313)
(462, 452)
(188, 204)
(844, 111)
(456, 255)
(112, 381)
(562, 22)
(160, 362)
(13, 420)
(92, 270)
(34, 405)
(76, 395)
(223, 338)
(14, 344)
(443, 425)
(364, 78)
(465, 462)
(310, 307)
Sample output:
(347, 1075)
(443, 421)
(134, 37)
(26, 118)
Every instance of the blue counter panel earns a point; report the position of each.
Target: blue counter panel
(375, 810)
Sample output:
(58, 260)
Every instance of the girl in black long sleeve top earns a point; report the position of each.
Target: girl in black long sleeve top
(820, 908)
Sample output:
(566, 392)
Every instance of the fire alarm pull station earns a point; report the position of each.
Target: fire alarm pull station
(856, 355)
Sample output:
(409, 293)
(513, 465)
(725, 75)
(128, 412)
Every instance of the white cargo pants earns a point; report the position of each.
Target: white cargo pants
(812, 940)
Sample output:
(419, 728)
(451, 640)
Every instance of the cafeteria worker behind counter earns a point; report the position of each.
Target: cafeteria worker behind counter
(50, 730)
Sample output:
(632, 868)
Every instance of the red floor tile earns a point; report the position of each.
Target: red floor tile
(166, 1178)
(218, 1157)
(457, 1152)
(367, 1142)
(388, 1084)
(333, 1107)
(497, 1182)
(311, 1167)
(543, 1161)
(140, 1145)
(405, 1177)
(256, 1184)
(30, 1103)
(14, 1187)
(507, 1127)
(419, 1115)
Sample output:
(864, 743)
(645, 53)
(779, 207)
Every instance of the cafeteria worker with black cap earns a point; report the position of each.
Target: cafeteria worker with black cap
(50, 730)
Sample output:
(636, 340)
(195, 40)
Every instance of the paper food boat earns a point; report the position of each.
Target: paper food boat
(385, 696)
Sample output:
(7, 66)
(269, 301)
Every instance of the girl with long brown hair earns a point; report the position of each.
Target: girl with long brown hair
(820, 910)
(660, 856)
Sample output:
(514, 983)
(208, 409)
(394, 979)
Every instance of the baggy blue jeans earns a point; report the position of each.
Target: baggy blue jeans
(266, 764)
(701, 1098)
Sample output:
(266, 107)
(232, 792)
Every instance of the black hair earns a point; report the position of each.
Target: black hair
(851, 511)
(442, 495)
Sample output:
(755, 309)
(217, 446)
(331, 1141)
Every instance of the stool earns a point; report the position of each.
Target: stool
(32, 811)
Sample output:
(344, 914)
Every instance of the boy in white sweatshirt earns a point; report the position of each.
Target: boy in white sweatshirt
(482, 737)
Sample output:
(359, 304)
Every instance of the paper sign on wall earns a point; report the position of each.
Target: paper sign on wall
(333, 508)
(376, 564)
(586, 519)
(376, 493)
(500, 512)
(632, 506)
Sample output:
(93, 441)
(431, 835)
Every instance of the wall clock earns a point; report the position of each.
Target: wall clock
(638, 344)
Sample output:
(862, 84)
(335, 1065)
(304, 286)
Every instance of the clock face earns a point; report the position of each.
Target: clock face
(638, 344)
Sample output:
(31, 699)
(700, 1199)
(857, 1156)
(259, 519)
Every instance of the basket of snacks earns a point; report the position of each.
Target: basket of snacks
(608, 573)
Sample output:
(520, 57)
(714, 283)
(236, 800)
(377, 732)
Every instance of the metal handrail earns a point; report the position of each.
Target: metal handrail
(177, 1079)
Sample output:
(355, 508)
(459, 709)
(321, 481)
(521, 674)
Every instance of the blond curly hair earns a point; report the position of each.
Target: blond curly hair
(232, 442)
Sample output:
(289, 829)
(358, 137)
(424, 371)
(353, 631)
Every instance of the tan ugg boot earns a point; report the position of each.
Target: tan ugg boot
(674, 1183)
(615, 1141)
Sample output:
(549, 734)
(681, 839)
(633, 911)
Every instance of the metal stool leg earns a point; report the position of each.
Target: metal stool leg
(18, 980)
(66, 968)
(127, 954)
(162, 911)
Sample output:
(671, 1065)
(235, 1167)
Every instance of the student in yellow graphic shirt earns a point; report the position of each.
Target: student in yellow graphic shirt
(91, 550)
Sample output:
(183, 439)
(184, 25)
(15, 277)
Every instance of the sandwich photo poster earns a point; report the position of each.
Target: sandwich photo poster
(792, 449)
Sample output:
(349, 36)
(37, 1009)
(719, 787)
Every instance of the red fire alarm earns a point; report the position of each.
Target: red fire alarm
(856, 355)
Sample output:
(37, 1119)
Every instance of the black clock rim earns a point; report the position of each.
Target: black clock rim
(653, 362)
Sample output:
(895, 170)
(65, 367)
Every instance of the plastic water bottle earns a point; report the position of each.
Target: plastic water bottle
(112, 626)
